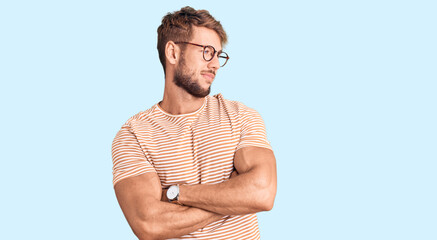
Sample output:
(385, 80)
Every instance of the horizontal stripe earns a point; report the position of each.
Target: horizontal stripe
(195, 148)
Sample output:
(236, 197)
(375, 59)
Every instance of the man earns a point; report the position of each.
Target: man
(193, 166)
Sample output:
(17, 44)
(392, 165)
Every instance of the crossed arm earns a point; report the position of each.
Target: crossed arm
(252, 190)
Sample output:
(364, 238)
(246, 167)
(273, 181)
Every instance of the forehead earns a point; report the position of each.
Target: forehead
(206, 36)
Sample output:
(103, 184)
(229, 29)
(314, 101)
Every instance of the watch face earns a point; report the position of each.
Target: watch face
(172, 192)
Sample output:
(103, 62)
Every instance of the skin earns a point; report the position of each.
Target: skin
(186, 80)
(250, 189)
(177, 100)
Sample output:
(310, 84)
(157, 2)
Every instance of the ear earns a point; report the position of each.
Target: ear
(172, 52)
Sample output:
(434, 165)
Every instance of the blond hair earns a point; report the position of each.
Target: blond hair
(178, 27)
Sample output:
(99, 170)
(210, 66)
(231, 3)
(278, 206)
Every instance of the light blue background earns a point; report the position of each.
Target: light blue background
(347, 90)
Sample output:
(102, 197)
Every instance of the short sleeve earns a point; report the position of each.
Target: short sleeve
(128, 158)
(253, 132)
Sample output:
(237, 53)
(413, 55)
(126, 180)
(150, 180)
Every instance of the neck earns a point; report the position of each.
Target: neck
(177, 101)
(177, 105)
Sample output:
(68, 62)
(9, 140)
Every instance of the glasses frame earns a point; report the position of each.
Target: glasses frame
(203, 52)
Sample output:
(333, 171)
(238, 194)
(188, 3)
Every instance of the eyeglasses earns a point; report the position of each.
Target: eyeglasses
(209, 53)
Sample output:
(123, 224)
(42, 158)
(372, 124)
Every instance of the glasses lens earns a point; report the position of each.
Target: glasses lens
(223, 58)
(208, 53)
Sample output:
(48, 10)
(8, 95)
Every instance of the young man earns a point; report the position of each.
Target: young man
(193, 165)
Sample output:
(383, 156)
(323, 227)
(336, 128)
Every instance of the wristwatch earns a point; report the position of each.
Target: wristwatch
(173, 193)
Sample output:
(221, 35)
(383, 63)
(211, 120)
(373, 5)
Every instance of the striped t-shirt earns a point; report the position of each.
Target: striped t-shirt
(194, 148)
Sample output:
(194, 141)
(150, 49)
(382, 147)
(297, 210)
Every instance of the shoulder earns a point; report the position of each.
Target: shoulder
(133, 127)
(142, 117)
(233, 107)
(230, 105)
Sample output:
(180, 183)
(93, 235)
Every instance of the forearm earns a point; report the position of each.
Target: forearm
(168, 220)
(250, 192)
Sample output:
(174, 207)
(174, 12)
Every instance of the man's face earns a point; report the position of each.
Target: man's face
(193, 73)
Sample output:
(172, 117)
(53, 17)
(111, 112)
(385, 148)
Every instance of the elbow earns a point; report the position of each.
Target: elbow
(265, 204)
(147, 231)
(147, 234)
(266, 198)
(144, 233)
(147, 237)
(146, 225)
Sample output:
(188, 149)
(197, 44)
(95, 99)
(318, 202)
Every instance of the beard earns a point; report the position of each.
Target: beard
(186, 81)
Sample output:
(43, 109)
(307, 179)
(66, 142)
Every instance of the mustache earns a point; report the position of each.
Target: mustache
(208, 71)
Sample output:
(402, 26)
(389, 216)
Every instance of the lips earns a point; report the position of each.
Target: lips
(208, 76)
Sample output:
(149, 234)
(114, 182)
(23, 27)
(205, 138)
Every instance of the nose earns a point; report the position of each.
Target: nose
(214, 63)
